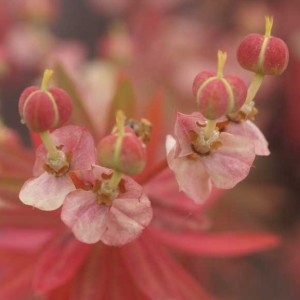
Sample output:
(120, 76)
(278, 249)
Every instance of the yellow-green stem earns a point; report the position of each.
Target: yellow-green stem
(48, 143)
(254, 87)
(209, 128)
(115, 180)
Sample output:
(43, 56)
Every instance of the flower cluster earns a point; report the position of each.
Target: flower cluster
(96, 186)
(216, 146)
(98, 202)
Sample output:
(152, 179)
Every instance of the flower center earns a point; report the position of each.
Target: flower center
(59, 164)
(106, 192)
(202, 146)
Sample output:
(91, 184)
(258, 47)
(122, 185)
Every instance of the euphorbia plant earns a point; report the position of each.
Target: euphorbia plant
(118, 214)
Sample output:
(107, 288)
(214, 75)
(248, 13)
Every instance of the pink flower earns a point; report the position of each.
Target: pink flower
(223, 160)
(51, 183)
(116, 216)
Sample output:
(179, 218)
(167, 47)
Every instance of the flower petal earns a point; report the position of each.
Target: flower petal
(249, 130)
(231, 163)
(191, 176)
(46, 192)
(71, 139)
(127, 219)
(86, 218)
(184, 124)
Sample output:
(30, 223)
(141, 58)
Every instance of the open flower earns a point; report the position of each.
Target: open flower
(114, 215)
(222, 160)
(74, 150)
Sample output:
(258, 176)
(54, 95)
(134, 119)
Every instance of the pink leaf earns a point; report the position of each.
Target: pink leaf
(105, 276)
(157, 274)
(218, 244)
(59, 262)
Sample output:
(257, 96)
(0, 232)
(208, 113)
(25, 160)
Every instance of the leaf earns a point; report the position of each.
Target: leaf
(105, 276)
(157, 274)
(59, 262)
(16, 274)
(218, 244)
(80, 113)
(124, 99)
(24, 239)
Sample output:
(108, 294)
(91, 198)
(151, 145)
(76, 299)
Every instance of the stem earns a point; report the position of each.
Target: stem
(48, 143)
(209, 128)
(120, 120)
(115, 180)
(253, 87)
(46, 77)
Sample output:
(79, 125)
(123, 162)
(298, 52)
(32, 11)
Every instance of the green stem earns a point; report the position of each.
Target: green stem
(209, 128)
(48, 143)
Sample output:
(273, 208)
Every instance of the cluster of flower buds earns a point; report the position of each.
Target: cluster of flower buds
(217, 145)
(99, 202)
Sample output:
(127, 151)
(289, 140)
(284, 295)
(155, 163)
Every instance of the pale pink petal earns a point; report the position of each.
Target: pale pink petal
(249, 130)
(46, 192)
(170, 143)
(84, 216)
(71, 139)
(184, 124)
(128, 217)
(231, 163)
(191, 176)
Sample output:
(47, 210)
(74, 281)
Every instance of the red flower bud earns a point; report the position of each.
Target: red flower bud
(263, 54)
(43, 109)
(123, 153)
(218, 95)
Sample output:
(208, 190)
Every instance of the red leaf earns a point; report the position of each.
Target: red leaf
(218, 244)
(59, 262)
(105, 276)
(157, 274)
(16, 274)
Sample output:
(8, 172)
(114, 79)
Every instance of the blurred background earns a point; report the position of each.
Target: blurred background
(161, 45)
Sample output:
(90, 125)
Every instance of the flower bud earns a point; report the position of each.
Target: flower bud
(201, 78)
(263, 54)
(216, 96)
(123, 153)
(44, 110)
